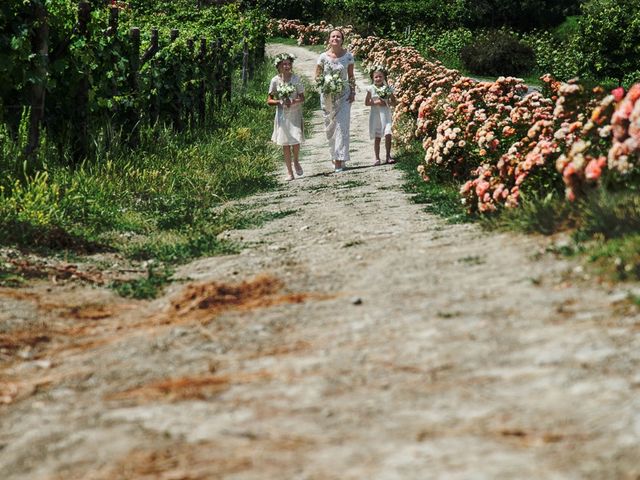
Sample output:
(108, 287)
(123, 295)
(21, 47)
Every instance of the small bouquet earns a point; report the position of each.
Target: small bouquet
(331, 82)
(285, 91)
(383, 92)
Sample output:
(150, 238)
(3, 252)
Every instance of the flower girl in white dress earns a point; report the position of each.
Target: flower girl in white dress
(380, 98)
(286, 93)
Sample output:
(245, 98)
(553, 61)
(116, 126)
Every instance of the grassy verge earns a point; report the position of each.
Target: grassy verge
(160, 203)
(603, 229)
(440, 195)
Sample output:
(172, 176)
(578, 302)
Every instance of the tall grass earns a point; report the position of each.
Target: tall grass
(158, 201)
(440, 195)
(604, 227)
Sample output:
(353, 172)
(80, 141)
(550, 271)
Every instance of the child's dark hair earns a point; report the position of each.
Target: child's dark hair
(382, 70)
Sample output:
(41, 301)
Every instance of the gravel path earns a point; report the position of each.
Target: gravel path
(369, 340)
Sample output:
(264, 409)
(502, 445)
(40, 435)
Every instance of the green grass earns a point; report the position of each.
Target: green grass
(284, 40)
(440, 194)
(604, 228)
(146, 287)
(161, 201)
(535, 215)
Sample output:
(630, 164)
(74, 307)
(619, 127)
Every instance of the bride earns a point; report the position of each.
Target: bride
(336, 107)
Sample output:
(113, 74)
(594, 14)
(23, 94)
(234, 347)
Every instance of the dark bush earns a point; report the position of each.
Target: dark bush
(498, 53)
(522, 15)
(306, 10)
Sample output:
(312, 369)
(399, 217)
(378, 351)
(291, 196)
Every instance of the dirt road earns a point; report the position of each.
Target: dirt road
(355, 337)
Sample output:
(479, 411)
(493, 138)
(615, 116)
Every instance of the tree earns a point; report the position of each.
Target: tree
(519, 14)
(610, 38)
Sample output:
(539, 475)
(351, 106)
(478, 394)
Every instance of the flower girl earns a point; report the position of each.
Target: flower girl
(286, 93)
(380, 98)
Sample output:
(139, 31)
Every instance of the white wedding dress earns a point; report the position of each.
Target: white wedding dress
(337, 109)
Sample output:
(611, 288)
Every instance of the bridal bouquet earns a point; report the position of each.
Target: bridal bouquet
(284, 91)
(331, 82)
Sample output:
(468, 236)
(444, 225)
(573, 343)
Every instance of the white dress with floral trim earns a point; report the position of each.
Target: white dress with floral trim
(288, 124)
(380, 117)
(337, 109)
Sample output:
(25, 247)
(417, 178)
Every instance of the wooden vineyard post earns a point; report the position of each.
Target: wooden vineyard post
(133, 118)
(153, 47)
(40, 43)
(245, 62)
(176, 104)
(202, 93)
(113, 21)
(81, 128)
(252, 62)
(191, 89)
(228, 63)
(218, 74)
(261, 48)
(154, 112)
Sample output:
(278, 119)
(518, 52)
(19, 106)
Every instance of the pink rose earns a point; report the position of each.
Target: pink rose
(481, 188)
(618, 93)
(594, 168)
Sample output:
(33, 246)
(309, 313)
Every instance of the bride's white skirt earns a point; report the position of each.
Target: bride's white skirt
(337, 116)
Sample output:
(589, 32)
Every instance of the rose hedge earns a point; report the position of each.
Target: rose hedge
(499, 139)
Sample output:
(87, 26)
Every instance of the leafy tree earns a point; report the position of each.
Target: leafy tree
(519, 14)
(293, 9)
(610, 33)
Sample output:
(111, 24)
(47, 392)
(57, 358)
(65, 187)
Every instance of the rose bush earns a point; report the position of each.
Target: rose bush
(499, 139)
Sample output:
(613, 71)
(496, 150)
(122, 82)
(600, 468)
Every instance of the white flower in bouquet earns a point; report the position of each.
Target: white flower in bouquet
(384, 91)
(331, 82)
(285, 91)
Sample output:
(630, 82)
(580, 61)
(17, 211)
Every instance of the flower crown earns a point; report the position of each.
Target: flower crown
(377, 68)
(282, 57)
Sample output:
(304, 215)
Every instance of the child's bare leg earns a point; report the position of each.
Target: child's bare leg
(287, 159)
(296, 163)
(376, 150)
(387, 146)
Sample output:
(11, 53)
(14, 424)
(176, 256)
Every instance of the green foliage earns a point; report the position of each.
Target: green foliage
(163, 201)
(382, 16)
(436, 43)
(567, 29)
(100, 61)
(610, 38)
(522, 15)
(551, 53)
(305, 10)
(144, 288)
(498, 53)
(440, 194)
(618, 258)
(610, 214)
(537, 214)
